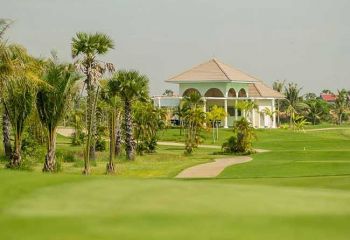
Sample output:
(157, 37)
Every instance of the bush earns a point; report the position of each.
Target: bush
(101, 144)
(66, 156)
(241, 141)
(78, 138)
(230, 145)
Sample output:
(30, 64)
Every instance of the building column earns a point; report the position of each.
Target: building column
(236, 110)
(159, 105)
(274, 113)
(259, 120)
(253, 116)
(225, 121)
(204, 105)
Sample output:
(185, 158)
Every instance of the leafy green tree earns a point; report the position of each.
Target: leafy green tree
(216, 115)
(130, 86)
(246, 107)
(85, 49)
(52, 103)
(147, 121)
(310, 96)
(168, 93)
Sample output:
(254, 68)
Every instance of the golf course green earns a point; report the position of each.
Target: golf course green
(299, 189)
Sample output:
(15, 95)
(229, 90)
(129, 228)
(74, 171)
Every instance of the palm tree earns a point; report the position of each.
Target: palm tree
(5, 69)
(114, 109)
(293, 101)
(193, 100)
(52, 103)
(86, 48)
(19, 94)
(341, 104)
(278, 86)
(246, 107)
(14, 62)
(130, 86)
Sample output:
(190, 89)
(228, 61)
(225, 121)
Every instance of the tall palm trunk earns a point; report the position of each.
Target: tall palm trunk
(91, 117)
(50, 158)
(110, 169)
(118, 136)
(6, 134)
(278, 113)
(129, 139)
(16, 158)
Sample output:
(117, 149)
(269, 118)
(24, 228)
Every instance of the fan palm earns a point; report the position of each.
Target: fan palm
(130, 86)
(85, 48)
(52, 103)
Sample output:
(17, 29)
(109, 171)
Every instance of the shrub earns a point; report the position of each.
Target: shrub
(101, 144)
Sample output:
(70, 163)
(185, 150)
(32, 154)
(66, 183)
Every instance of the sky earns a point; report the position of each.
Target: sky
(302, 41)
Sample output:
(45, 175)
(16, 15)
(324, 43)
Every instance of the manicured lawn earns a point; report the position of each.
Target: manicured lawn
(298, 190)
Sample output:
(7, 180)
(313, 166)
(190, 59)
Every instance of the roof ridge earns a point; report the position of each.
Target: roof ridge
(222, 70)
(257, 89)
(238, 69)
(189, 69)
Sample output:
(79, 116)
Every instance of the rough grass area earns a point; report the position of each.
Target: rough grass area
(298, 190)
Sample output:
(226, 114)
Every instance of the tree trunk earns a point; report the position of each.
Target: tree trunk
(16, 158)
(129, 139)
(50, 158)
(110, 169)
(118, 137)
(90, 113)
(6, 134)
(278, 113)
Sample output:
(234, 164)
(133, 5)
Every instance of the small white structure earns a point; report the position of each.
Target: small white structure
(222, 85)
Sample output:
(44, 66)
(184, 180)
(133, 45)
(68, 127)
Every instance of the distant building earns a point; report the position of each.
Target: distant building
(328, 97)
(223, 85)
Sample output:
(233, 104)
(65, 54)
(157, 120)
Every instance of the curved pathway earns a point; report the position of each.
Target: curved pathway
(212, 169)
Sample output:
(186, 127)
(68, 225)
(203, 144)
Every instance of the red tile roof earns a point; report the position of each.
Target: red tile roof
(328, 97)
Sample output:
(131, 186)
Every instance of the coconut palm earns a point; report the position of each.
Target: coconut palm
(293, 101)
(52, 103)
(193, 100)
(341, 104)
(85, 49)
(130, 86)
(278, 86)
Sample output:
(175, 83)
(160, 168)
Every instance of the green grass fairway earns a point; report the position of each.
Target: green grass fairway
(298, 190)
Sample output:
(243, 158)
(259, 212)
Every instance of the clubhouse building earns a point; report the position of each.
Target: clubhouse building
(222, 85)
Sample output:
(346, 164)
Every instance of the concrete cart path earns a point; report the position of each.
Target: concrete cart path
(212, 169)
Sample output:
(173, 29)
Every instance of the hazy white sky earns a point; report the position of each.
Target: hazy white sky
(304, 41)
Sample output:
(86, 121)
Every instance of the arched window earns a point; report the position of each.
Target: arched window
(188, 91)
(232, 93)
(214, 92)
(242, 93)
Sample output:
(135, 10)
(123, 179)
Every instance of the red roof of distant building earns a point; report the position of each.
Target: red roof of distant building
(328, 97)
